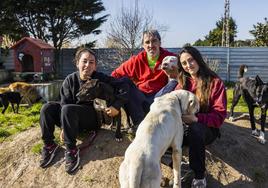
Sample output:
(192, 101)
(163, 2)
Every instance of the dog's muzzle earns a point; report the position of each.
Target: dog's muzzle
(99, 104)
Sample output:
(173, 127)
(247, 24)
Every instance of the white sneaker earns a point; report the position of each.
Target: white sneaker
(261, 138)
(199, 183)
(255, 133)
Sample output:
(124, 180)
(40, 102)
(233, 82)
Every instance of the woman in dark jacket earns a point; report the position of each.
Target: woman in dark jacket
(73, 117)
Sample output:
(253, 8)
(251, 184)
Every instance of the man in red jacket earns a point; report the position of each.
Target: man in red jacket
(144, 71)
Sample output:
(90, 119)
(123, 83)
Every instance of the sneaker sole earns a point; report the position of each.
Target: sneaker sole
(51, 158)
(77, 163)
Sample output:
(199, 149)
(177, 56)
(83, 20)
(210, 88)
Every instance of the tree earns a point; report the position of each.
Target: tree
(126, 30)
(260, 32)
(53, 21)
(240, 43)
(215, 36)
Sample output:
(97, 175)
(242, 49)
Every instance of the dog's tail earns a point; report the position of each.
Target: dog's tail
(242, 69)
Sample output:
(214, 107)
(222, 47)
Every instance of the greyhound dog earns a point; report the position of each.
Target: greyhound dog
(10, 97)
(255, 94)
(94, 90)
(161, 128)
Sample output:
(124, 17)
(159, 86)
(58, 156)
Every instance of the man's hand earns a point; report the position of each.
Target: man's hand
(111, 111)
(189, 118)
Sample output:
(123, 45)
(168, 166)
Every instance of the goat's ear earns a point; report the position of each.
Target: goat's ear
(258, 81)
(191, 103)
(94, 82)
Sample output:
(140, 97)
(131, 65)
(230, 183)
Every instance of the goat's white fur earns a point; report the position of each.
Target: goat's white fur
(162, 128)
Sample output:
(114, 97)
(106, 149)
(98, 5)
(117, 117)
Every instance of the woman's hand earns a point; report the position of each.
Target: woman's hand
(111, 111)
(189, 118)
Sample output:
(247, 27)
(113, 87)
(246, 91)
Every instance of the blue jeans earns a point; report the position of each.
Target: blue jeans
(139, 103)
(170, 86)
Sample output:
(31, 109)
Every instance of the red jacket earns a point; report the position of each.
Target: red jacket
(137, 69)
(217, 103)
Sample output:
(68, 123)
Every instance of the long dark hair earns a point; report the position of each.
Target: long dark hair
(204, 74)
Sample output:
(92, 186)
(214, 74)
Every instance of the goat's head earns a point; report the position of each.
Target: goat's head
(93, 88)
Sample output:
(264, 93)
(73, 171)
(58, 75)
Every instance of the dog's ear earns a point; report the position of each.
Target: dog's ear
(94, 82)
(258, 81)
(193, 105)
(91, 82)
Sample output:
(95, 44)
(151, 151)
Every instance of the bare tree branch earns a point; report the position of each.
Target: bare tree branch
(125, 31)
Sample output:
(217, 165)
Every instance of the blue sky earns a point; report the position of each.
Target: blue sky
(189, 20)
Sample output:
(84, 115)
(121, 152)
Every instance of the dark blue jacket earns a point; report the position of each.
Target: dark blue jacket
(72, 84)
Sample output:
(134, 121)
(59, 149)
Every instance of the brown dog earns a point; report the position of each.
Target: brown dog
(29, 93)
(4, 89)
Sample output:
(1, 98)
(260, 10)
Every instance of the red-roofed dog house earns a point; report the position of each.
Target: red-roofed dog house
(33, 56)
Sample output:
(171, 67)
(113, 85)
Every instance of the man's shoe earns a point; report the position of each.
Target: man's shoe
(48, 154)
(72, 160)
(199, 183)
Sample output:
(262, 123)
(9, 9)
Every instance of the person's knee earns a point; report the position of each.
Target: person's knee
(49, 107)
(197, 132)
(127, 80)
(67, 110)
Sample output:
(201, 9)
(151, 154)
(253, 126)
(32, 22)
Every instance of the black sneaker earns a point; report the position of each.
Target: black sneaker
(72, 160)
(48, 154)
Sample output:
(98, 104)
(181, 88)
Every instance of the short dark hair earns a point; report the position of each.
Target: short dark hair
(82, 50)
(152, 32)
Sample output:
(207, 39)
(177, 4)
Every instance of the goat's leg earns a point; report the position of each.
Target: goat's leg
(118, 134)
(18, 105)
(4, 108)
(263, 117)
(176, 157)
(128, 117)
(251, 116)
(236, 97)
(261, 137)
(99, 118)
(13, 107)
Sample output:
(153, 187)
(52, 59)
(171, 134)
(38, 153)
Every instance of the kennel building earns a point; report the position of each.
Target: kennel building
(32, 57)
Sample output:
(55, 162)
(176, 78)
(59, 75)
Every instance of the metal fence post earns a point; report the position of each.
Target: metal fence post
(228, 64)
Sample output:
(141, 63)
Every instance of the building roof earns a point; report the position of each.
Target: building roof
(38, 42)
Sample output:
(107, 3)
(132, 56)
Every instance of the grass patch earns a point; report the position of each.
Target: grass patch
(36, 149)
(11, 123)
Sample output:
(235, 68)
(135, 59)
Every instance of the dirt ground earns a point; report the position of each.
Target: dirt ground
(235, 160)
